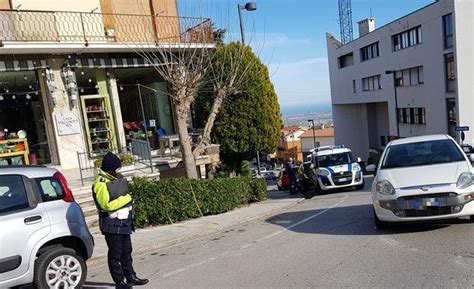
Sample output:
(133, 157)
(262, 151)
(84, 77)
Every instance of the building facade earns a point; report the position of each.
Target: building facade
(407, 78)
(317, 138)
(289, 144)
(71, 79)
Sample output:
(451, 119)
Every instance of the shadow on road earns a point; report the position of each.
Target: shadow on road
(347, 221)
(97, 285)
(280, 195)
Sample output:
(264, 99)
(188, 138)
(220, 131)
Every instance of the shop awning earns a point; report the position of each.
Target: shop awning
(22, 65)
(109, 62)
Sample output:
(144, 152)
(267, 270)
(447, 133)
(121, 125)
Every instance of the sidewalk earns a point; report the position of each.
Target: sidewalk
(164, 236)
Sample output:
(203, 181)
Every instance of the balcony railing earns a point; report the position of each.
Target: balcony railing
(92, 28)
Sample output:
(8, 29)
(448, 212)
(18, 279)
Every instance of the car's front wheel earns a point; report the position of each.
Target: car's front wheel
(60, 267)
(379, 224)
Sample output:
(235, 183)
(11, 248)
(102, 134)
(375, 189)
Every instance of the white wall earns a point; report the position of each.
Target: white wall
(464, 25)
(350, 124)
(429, 54)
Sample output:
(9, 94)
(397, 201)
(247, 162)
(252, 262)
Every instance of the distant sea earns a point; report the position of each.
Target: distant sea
(305, 108)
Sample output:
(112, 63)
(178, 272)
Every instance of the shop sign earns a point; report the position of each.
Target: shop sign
(68, 123)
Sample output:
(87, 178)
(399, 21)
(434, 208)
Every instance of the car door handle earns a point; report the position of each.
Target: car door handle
(33, 220)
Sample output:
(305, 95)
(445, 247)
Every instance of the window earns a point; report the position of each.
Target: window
(371, 83)
(13, 196)
(409, 76)
(346, 60)
(406, 39)
(369, 51)
(448, 31)
(354, 90)
(50, 189)
(450, 68)
(411, 115)
(422, 154)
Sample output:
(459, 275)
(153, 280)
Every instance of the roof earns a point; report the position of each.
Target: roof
(419, 139)
(333, 151)
(28, 171)
(327, 132)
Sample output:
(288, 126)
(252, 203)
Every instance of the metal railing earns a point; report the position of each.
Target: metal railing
(133, 153)
(87, 28)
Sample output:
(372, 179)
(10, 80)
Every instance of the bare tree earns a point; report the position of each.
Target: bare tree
(190, 62)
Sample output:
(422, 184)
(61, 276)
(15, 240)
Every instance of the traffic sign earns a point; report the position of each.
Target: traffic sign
(462, 128)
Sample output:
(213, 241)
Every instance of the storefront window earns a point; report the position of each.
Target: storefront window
(23, 137)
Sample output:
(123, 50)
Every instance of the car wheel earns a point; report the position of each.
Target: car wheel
(471, 218)
(379, 224)
(60, 267)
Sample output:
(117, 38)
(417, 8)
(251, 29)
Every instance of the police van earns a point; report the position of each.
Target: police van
(335, 167)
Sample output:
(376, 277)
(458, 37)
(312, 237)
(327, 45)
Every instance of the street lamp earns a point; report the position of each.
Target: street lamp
(314, 135)
(393, 72)
(249, 6)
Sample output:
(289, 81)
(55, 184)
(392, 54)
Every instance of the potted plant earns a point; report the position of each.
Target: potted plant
(127, 163)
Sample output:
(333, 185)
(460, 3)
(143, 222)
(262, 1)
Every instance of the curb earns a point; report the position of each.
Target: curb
(100, 259)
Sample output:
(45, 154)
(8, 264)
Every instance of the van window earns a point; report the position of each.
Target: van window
(13, 196)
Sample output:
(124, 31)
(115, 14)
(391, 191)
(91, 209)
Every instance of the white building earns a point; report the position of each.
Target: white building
(430, 51)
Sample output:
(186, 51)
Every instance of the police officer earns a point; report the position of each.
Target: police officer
(114, 203)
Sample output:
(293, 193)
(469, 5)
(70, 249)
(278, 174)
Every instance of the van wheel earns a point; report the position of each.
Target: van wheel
(61, 268)
(381, 225)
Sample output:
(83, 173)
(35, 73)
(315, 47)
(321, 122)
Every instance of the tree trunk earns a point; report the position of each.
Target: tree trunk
(188, 156)
(206, 136)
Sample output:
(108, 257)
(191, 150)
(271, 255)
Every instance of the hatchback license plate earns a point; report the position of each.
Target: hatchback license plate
(427, 202)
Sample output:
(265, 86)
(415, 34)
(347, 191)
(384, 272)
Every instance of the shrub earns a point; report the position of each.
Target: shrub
(173, 200)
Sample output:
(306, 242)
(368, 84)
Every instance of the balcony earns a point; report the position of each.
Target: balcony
(88, 30)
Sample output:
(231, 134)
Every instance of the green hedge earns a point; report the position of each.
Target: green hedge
(173, 200)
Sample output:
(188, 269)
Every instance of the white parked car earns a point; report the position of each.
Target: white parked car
(422, 178)
(335, 167)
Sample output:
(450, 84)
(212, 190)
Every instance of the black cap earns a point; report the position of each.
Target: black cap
(111, 162)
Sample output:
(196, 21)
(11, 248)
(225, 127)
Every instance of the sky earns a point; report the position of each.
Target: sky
(290, 37)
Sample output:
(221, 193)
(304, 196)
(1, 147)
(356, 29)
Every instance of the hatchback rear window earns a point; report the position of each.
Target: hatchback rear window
(50, 189)
(13, 196)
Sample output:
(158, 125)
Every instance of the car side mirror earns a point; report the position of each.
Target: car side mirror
(371, 168)
(359, 160)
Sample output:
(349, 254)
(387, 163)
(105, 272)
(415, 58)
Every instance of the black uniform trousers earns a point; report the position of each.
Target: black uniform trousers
(119, 256)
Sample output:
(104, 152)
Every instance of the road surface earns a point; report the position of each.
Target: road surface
(326, 242)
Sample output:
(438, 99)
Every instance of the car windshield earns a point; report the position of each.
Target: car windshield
(422, 154)
(335, 159)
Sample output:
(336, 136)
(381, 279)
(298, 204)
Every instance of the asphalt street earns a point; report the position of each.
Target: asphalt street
(327, 242)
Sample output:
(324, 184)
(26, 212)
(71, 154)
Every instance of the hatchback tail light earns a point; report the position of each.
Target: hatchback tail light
(68, 196)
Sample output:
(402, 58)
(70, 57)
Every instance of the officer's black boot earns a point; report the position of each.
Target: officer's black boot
(135, 281)
(123, 285)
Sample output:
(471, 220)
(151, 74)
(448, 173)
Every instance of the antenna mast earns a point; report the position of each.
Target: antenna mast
(345, 21)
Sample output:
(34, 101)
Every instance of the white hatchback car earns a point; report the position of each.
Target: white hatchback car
(422, 178)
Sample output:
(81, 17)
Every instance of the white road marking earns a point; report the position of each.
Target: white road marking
(186, 268)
